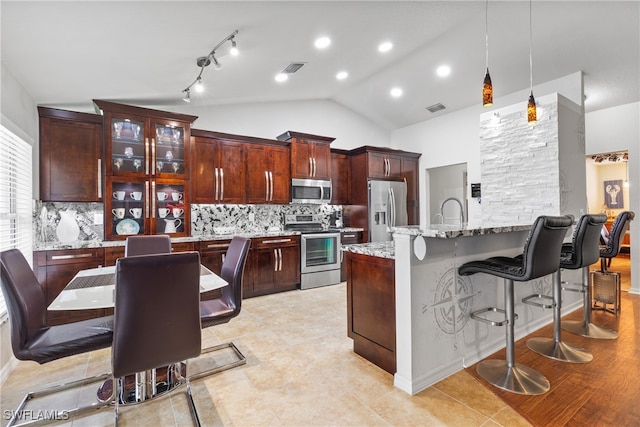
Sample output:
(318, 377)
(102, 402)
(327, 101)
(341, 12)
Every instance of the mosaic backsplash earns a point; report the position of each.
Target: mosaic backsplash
(75, 222)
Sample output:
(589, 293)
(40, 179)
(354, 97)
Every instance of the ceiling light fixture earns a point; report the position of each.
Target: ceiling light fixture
(531, 105)
(385, 47)
(396, 92)
(342, 75)
(204, 61)
(322, 42)
(487, 86)
(282, 77)
(234, 48)
(443, 70)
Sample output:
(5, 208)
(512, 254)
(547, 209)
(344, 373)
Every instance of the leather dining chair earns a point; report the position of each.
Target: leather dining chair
(157, 317)
(32, 339)
(147, 245)
(222, 310)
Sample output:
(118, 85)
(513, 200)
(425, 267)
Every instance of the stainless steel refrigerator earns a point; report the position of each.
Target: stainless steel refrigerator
(387, 208)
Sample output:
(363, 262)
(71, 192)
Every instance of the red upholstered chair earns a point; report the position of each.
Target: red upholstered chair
(32, 339)
(223, 309)
(157, 317)
(147, 245)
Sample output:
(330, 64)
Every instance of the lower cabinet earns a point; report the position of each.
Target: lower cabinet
(347, 238)
(212, 254)
(55, 269)
(273, 265)
(371, 308)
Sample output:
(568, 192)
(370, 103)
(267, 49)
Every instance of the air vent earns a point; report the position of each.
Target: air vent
(436, 107)
(293, 67)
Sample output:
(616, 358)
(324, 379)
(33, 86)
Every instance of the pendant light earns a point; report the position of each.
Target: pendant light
(487, 87)
(531, 106)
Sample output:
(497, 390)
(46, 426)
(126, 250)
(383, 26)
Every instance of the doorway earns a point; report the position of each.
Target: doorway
(442, 183)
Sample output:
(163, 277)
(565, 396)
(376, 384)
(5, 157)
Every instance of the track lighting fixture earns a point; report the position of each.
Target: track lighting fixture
(204, 61)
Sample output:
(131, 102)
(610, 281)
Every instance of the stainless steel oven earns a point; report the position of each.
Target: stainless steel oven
(320, 259)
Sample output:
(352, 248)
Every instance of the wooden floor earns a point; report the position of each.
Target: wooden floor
(603, 392)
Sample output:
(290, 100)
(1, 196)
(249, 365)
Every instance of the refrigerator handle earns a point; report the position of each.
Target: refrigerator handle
(393, 207)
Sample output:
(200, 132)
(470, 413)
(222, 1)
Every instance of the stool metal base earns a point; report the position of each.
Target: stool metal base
(559, 350)
(516, 379)
(589, 330)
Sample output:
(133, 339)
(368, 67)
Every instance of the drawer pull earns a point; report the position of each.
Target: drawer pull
(277, 241)
(57, 257)
(349, 235)
(219, 245)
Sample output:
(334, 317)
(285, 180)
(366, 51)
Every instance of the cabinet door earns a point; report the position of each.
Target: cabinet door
(203, 161)
(340, 179)
(301, 159)
(264, 266)
(321, 161)
(55, 269)
(127, 145)
(410, 173)
(383, 165)
(287, 273)
(347, 238)
(258, 188)
(170, 211)
(169, 149)
(231, 172)
(70, 161)
(127, 209)
(279, 168)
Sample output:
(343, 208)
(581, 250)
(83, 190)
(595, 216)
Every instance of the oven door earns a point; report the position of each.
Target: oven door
(319, 252)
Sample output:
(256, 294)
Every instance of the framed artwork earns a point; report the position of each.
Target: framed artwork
(613, 197)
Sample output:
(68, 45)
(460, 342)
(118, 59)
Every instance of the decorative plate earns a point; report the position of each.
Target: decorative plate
(127, 226)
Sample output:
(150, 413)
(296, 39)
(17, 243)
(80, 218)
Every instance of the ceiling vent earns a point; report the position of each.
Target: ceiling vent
(436, 107)
(293, 67)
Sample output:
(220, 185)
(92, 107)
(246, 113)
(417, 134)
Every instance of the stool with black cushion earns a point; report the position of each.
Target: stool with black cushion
(156, 318)
(32, 339)
(579, 254)
(541, 256)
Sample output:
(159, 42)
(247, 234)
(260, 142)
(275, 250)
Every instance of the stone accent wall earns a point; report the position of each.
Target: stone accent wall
(519, 164)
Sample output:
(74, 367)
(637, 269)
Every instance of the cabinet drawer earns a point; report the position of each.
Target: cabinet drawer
(277, 241)
(74, 256)
(350, 237)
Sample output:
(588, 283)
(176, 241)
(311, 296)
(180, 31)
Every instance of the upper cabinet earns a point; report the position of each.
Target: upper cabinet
(310, 155)
(268, 173)
(70, 156)
(340, 177)
(147, 171)
(384, 165)
(217, 168)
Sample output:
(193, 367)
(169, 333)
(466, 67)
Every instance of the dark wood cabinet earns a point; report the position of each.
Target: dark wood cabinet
(273, 265)
(340, 178)
(147, 171)
(310, 155)
(347, 238)
(70, 156)
(371, 308)
(268, 173)
(384, 165)
(112, 253)
(411, 175)
(217, 168)
(55, 269)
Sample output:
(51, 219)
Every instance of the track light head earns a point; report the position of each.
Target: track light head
(199, 87)
(187, 97)
(234, 48)
(216, 64)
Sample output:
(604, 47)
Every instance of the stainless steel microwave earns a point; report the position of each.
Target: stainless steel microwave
(310, 191)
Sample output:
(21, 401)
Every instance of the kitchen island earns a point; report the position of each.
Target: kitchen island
(434, 334)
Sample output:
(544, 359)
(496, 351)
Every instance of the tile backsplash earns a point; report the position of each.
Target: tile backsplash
(54, 222)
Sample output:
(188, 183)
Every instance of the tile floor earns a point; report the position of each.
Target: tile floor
(300, 371)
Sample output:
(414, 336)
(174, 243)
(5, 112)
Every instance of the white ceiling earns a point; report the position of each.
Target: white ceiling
(67, 53)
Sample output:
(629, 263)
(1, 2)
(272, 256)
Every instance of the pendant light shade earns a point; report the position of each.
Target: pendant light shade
(487, 90)
(531, 109)
(531, 105)
(487, 86)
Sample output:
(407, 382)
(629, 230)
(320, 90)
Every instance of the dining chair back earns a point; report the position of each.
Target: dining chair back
(147, 245)
(157, 314)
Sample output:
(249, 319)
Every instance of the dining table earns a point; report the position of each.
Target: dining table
(95, 288)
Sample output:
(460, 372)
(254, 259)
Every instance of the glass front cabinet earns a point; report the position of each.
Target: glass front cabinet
(147, 175)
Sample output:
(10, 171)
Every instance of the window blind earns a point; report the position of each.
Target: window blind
(15, 197)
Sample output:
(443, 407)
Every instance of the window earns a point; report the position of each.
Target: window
(15, 197)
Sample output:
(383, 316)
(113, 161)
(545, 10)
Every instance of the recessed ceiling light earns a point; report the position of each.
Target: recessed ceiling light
(443, 70)
(385, 47)
(342, 75)
(281, 77)
(396, 92)
(322, 42)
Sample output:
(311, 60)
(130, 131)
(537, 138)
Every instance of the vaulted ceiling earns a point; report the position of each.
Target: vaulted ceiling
(67, 53)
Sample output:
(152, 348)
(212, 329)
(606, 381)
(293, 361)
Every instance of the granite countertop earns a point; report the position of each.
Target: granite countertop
(451, 231)
(48, 246)
(379, 249)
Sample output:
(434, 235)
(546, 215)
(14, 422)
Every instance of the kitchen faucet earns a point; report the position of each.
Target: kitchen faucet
(459, 204)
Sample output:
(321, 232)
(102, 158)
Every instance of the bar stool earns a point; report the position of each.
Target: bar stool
(585, 327)
(579, 254)
(541, 256)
